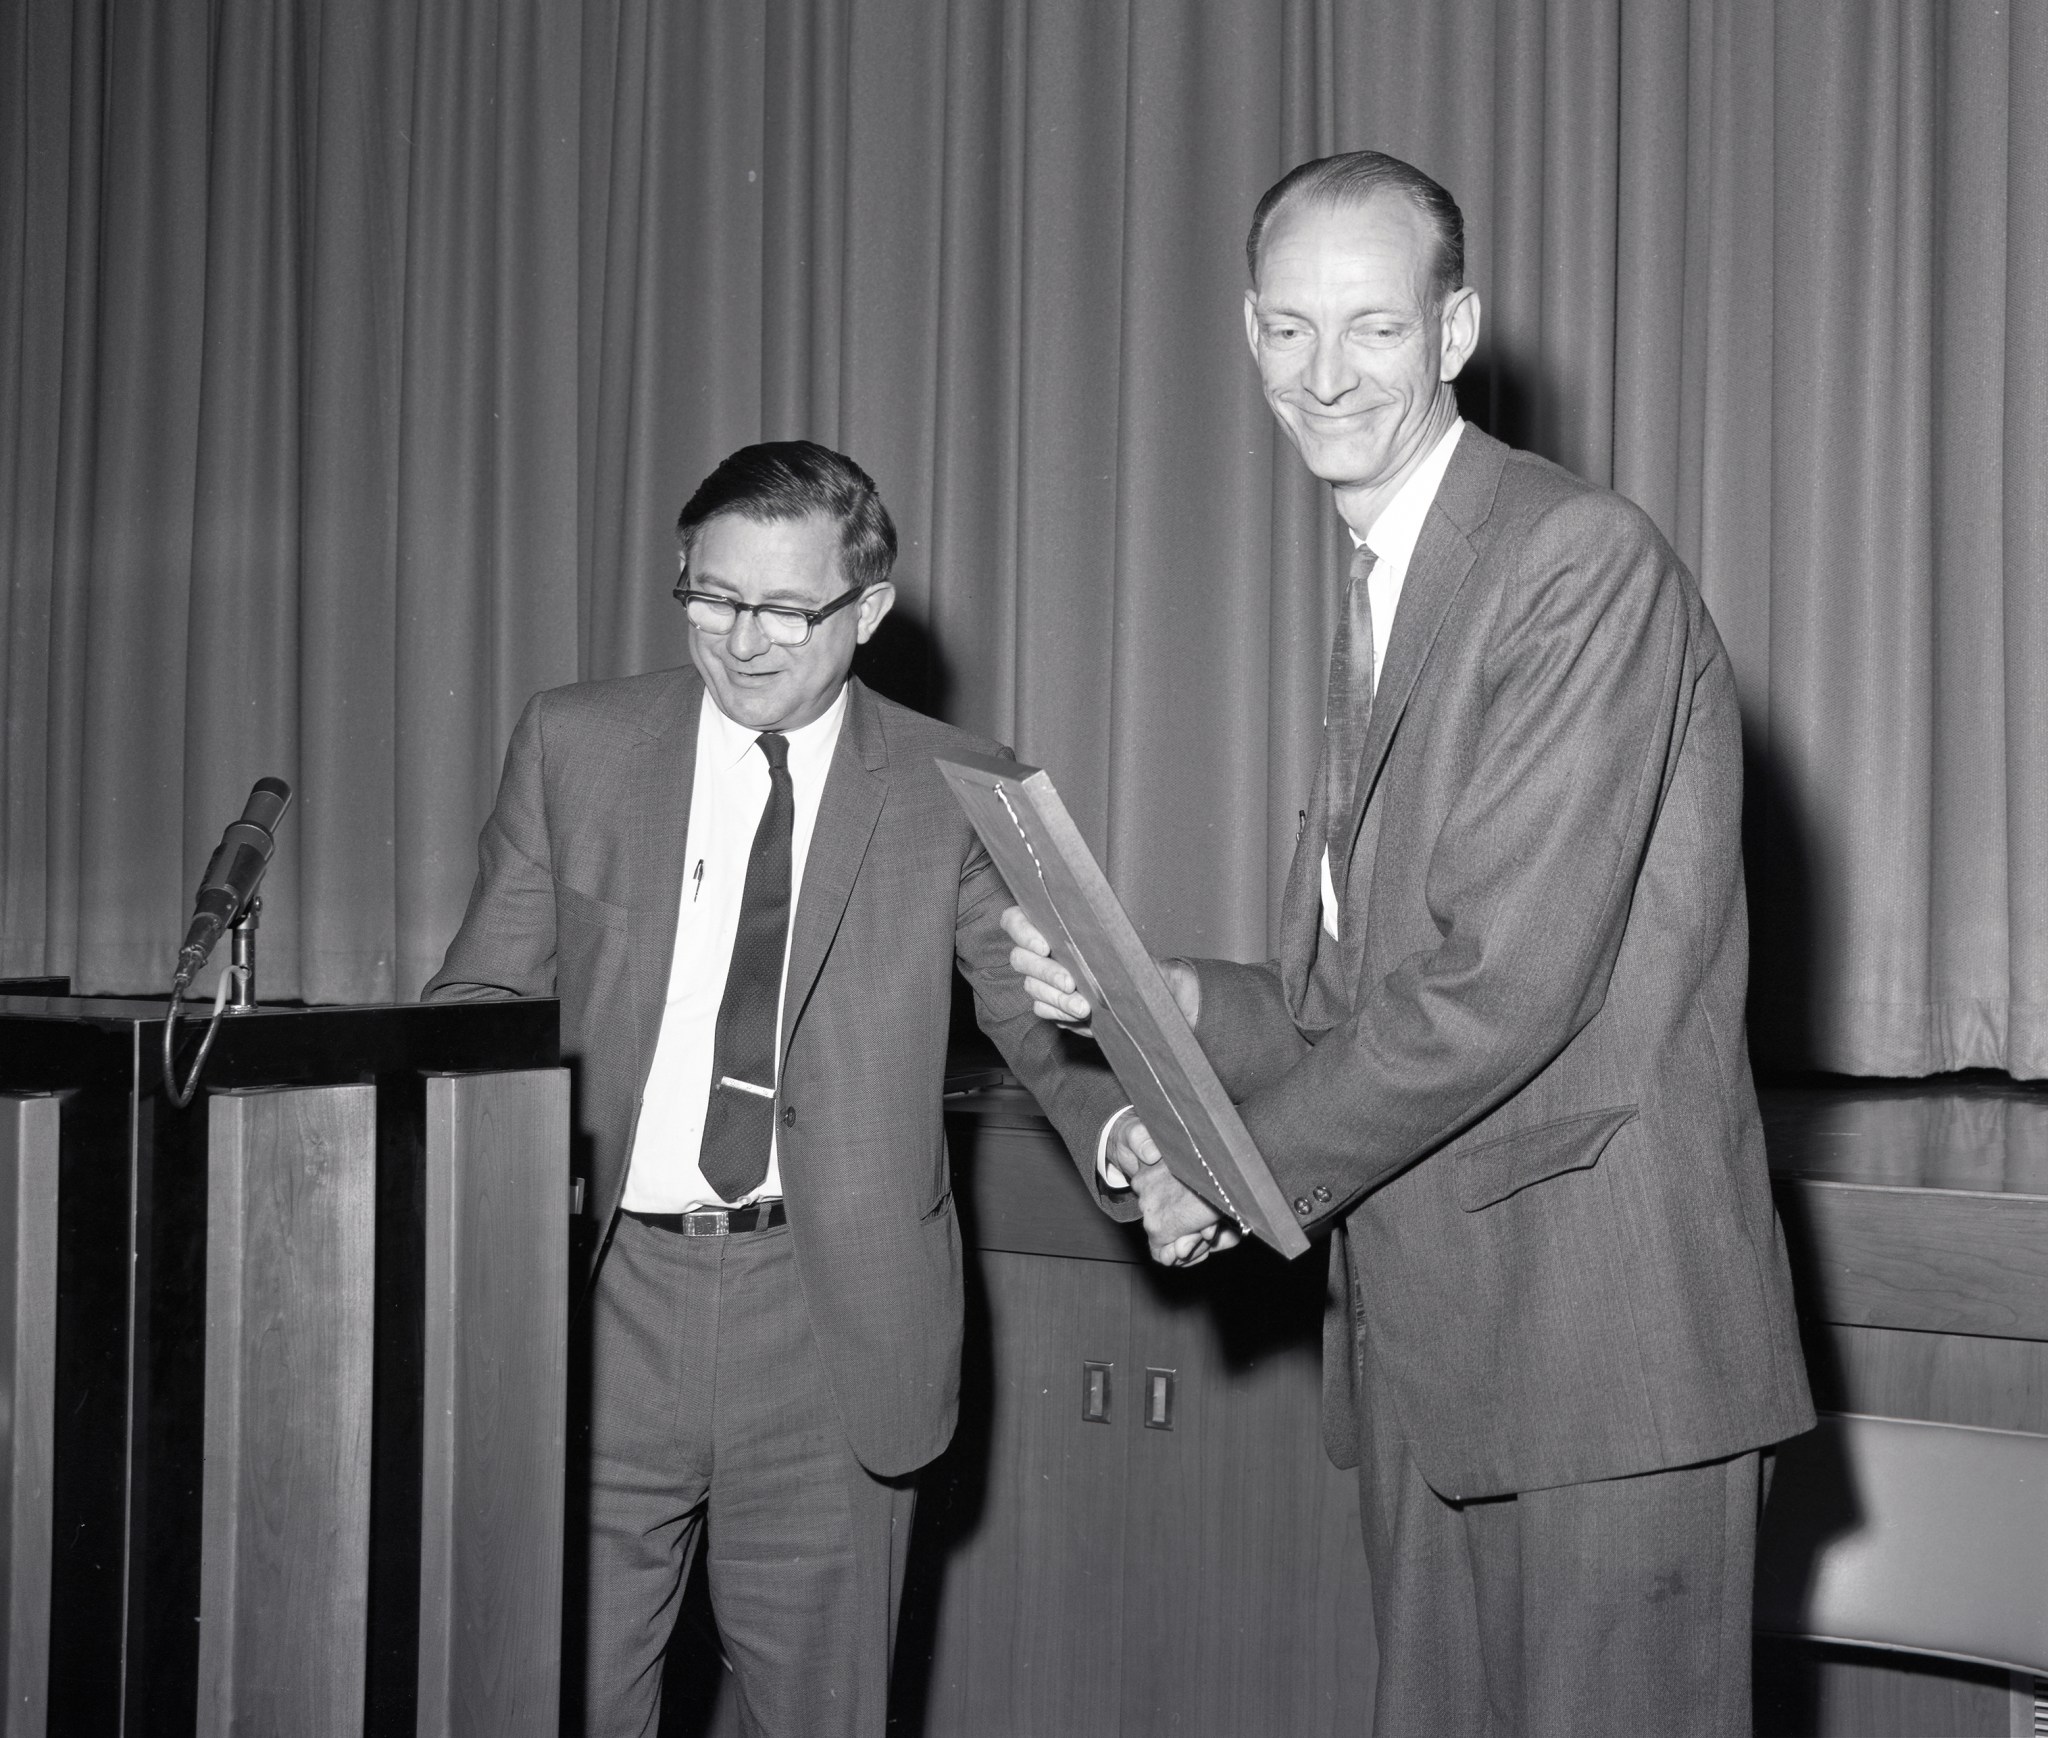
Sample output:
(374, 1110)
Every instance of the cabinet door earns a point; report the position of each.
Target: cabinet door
(1023, 1612)
(1248, 1608)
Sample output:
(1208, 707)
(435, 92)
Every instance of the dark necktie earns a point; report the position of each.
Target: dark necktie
(1349, 712)
(739, 1121)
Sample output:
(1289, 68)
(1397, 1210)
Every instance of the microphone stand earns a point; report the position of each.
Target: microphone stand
(242, 960)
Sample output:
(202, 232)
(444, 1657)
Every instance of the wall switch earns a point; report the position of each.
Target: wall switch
(1095, 1393)
(1159, 1385)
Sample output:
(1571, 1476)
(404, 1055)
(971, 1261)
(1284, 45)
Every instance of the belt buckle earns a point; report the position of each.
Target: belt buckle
(712, 1222)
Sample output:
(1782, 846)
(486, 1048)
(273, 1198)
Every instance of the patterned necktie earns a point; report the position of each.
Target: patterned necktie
(739, 1121)
(1349, 713)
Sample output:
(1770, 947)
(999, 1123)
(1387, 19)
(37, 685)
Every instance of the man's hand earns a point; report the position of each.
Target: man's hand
(1180, 1227)
(1054, 994)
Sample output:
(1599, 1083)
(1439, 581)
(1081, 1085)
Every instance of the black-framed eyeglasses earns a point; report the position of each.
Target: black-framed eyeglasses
(780, 624)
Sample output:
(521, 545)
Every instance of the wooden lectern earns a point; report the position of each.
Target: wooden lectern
(286, 1368)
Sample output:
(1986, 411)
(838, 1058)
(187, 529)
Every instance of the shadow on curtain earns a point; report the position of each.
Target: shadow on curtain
(354, 362)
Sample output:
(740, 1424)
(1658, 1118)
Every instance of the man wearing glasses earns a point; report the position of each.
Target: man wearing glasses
(750, 887)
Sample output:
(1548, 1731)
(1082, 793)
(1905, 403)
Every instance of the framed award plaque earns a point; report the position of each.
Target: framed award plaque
(1055, 878)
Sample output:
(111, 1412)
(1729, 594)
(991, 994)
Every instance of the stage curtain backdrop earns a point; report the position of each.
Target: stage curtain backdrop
(354, 361)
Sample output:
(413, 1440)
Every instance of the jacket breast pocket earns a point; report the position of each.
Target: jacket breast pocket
(1496, 1169)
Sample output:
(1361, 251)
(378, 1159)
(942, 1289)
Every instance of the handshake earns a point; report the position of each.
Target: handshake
(1180, 1227)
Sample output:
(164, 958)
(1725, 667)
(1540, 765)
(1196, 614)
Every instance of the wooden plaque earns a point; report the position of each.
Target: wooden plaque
(1054, 877)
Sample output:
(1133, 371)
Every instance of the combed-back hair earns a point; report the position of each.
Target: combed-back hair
(1353, 178)
(792, 480)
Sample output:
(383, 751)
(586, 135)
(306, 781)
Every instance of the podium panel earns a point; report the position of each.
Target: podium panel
(28, 1346)
(497, 1357)
(144, 1251)
(285, 1530)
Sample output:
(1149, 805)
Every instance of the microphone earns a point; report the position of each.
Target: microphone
(234, 874)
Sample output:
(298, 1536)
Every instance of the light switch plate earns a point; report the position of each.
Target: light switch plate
(1159, 1398)
(1095, 1393)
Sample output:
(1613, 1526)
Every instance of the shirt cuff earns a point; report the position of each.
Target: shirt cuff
(1106, 1173)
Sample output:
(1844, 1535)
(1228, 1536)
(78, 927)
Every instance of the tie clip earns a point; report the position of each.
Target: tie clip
(746, 1086)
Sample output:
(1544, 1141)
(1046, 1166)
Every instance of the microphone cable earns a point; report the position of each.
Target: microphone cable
(180, 1097)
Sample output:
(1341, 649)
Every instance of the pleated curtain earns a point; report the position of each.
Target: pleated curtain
(354, 361)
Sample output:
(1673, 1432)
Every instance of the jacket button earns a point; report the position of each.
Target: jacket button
(789, 1116)
(1302, 1207)
(1322, 1194)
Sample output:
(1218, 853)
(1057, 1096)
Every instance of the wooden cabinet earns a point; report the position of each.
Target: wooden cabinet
(1080, 1578)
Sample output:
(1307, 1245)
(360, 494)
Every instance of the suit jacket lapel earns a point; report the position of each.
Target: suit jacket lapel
(658, 791)
(1443, 557)
(847, 812)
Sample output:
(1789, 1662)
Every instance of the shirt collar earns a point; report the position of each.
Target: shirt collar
(1393, 534)
(729, 744)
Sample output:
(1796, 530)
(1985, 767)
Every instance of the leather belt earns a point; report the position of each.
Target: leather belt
(715, 1221)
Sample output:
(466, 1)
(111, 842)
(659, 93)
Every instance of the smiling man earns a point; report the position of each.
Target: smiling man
(750, 888)
(1500, 1059)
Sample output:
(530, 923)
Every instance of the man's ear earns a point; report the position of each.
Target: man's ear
(1251, 321)
(875, 603)
(1458, 331)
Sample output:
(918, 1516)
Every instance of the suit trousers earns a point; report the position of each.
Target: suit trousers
(711, 1415)
(1614, 1608)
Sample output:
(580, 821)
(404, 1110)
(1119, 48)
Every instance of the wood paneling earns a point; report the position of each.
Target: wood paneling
(1935, 1260)
(1949, 1378)
(496, 1323)
(1981, 1133)
(285, 1528)
(28, 1344)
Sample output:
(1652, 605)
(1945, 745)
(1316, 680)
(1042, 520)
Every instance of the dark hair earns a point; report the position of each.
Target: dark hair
(792, 480)
(1353, 178)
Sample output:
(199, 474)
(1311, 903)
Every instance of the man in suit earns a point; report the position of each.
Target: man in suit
(749, 885)
(1500, 1059)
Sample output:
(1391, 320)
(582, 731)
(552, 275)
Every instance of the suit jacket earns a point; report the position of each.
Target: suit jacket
(579, 876)
(1527, 1110)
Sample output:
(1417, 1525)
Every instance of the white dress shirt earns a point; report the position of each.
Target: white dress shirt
(1392, 541)
(729, 791)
